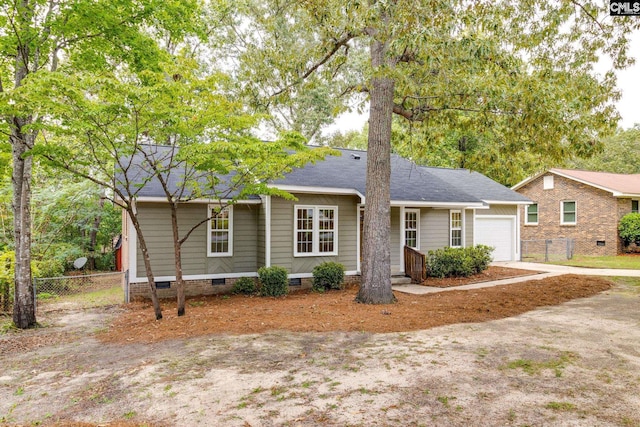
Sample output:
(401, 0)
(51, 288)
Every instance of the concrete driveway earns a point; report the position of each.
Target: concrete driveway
(563, 269)
(538, 271)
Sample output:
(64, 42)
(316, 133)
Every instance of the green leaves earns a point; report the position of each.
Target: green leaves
(517, 77)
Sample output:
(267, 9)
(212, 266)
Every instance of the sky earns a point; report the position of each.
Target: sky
(629, 83)
(628, 106)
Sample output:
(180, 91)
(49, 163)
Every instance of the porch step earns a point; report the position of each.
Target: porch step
(400, 280)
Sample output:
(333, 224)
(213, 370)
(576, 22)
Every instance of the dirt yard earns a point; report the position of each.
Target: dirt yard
(558, 351)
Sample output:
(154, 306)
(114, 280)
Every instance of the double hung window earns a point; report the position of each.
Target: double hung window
(531, 214)
(411, 229)
(220, 231)
(568, 213)
(455, 229)
(315, 230)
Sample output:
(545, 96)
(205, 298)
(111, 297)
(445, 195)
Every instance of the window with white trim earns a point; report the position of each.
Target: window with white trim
(315, 230)
(411, 228)
(634, 206)
(455, 229)
(531, 214)
(220, 231)
(568, 213)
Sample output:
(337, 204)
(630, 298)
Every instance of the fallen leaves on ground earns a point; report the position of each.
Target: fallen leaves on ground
(307, 311)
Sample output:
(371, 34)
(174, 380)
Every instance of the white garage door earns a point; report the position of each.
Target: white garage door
(499, 233)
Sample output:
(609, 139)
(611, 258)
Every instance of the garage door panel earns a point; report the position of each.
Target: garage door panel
(499, 233)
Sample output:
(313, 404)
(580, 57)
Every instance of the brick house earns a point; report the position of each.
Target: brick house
(581, 205)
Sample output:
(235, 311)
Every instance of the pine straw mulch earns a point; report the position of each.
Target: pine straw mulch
(491, 273)
(306, 311)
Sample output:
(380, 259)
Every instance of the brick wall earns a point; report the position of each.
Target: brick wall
(205, 287)
(598, 214)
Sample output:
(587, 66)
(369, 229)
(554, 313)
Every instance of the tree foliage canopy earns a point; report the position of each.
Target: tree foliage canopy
(477, 82)
(620, 154)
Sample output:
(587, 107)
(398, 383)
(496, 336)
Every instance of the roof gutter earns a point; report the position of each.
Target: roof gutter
(151, 199)
(503, 202)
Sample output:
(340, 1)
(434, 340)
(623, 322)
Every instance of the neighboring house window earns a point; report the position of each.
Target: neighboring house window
(220, 237)
(455, 226)
(315, 230)
(547, 182)
(634, 206)
(568, 213)
(531, 214)
(411, 229)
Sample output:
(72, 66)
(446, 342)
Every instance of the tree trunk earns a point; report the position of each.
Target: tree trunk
(24, 313)
(178, 259)
(376, 260)
(147, 262)
(93, 237)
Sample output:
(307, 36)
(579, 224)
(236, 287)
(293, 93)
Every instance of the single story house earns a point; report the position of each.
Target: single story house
(431, 208)
(583, 206)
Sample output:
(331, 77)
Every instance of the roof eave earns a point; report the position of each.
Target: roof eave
(319, 190)
(582, 181)
(432, 204)
(527, 180)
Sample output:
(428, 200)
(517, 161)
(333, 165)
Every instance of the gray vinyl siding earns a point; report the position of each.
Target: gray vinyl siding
(498, 210)
(468, 227)
(260, 237)
(155, 219)
(434, 232)
(282, 238)
(396, 238)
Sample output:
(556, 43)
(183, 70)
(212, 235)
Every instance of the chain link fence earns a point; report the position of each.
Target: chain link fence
(547, 250)
(79, 291)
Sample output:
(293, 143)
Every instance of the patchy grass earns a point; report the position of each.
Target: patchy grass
(6, 324)
(628, 281)
(621, 261)
(533, 367)
(98, 298)
(560, 406)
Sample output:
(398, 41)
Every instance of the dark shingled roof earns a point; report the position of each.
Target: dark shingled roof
(479, 185)
(139, 172)
(409, 182)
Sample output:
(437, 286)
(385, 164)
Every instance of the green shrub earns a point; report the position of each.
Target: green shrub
(480, 257)
(629, 229)
(274, 281)
(458, 262)
(49, 267)
(105, 261)
(244, 285)
(328, 275)
(449, 262)
(7, 269)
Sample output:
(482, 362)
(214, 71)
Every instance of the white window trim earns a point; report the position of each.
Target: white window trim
(526, 214)
(547, 182)
(451, 229)
(562, 221)
(315, 231)
(229, 252)
(404, 227)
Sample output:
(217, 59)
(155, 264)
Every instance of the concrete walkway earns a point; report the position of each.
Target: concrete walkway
(538, 271)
